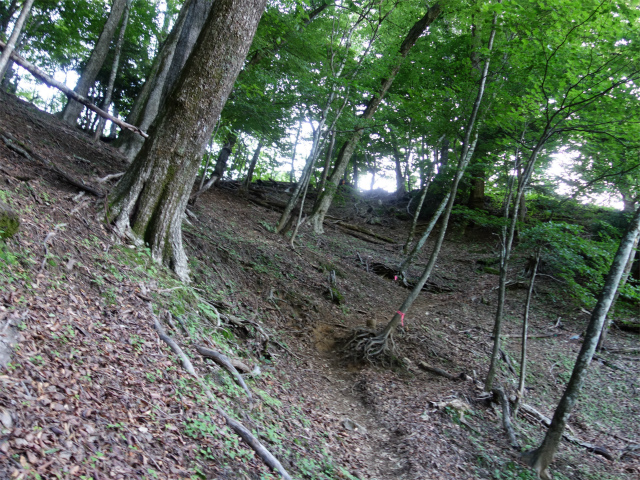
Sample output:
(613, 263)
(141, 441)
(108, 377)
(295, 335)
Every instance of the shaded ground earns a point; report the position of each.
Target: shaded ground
(91, 390)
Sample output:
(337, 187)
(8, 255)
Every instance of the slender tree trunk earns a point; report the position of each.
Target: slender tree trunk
(468, 147)
(114, 71)
(252, 167)
(327, 162)
(11, 43)
(416, 215)
(221, 166)
(541, 458)
(623, 282)
(149, 201)
(462, 165)
(505, 255)
(325, 198)
(525, 328)
(292, 174)
(73, 109)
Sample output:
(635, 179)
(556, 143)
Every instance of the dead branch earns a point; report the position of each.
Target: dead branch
(225, 362)
(506, 416)
(442, 373)
(113, 176)
(22, 149)
(546, 421)
(52, 82)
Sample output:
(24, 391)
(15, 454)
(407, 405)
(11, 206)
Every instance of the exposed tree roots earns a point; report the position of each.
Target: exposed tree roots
(371, 345)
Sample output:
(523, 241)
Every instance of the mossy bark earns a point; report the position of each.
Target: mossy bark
(9, 221)
(149, 201)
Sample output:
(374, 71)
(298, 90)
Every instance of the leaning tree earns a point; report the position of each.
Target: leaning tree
(148, 203)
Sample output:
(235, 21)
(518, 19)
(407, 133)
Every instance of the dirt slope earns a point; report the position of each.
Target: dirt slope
(92, 392)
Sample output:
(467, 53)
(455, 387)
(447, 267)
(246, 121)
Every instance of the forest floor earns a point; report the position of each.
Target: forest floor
(90, 391)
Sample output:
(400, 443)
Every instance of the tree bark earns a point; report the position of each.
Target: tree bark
(416, 215)
(11, 43)
(525, 328)
(541, 458)
(625, 277)
(149, 201)
(114, 71)
(325, 198)
(173, 58)
(292, 173)
(73, 109)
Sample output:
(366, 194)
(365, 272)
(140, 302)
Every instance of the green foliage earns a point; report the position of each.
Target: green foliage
(569, 254)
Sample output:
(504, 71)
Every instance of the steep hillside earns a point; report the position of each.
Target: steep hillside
(91, 390)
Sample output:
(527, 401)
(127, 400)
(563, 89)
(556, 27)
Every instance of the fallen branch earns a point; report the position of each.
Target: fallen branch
(224, 362)
(357, 228)
(442, 373)
(506, 416)
(52, 82)
(546, 421)
(113, 176)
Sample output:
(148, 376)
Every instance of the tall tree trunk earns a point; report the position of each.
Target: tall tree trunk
(149, 201)
(173, 58)
(292, 173)
(11, 43)
(505, 255)
(400, 187)
(114, 71)
(623, 282)
(327, 162)
(379, 343)
(252, 167)
(541, 458)
(73, 109)
(416, 215)
(325, 198)
(525, 328)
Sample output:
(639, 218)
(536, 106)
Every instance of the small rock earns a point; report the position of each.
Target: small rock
(5, 418)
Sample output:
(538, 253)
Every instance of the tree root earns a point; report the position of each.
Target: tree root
(370, 345)
(225, 362)
(264, 454)
(506, 416)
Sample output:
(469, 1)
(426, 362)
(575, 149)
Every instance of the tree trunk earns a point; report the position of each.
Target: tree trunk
(325, 198)
(327, 162)
(174, 56)
(541, 458)
(252, 167)
(525, 328)
(149, 201)
(114, 71)
(292, 174)
(416, 215)
(11, 43)
(73, 109)
(625, 277)
(221, 166)
(505, 255)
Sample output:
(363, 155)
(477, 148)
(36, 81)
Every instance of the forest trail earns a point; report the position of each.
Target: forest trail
(91, 390)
